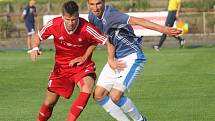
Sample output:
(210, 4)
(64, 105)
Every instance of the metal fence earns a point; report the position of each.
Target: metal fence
(200, 22)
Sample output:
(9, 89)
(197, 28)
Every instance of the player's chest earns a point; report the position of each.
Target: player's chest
(70, 40)
(103, 24)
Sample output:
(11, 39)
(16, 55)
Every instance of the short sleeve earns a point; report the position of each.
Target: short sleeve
(119, 17)
(46, 31)
(95, 35)
(25, 11)
(113, 16)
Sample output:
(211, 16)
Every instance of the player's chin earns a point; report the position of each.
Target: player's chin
(96, 13)
(69, 28)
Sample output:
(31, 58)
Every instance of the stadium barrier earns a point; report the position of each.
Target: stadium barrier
(202, 24)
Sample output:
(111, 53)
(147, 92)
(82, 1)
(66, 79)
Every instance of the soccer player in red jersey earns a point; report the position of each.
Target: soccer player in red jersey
(74, 40)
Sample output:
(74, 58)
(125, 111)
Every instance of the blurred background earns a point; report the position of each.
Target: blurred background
(199, 14)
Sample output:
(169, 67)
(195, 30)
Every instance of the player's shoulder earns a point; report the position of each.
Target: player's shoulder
(26, 7)
(110, 8)
(34, 7)
(83, 22)
(54, 22)
(85, 25)
(57, 20)
(111, 12)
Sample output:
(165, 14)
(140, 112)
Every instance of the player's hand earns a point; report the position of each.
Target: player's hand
(34, 53)
(172, 31)
(116, 65)
(177, 16)
(77, 61)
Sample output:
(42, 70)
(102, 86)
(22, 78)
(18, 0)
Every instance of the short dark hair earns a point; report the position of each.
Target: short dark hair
(70, 7)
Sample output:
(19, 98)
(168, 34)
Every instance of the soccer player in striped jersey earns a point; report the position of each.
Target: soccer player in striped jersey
(128, 62)
(74, 40)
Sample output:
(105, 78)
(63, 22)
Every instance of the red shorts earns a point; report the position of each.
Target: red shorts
(63, 82)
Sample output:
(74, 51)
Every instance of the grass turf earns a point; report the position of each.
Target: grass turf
(176, 85)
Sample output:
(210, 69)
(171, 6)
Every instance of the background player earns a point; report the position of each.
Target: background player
(29, 14)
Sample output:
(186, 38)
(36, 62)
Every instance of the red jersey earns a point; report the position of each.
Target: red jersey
(71, 45)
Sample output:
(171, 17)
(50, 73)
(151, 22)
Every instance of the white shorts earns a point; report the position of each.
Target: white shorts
(122, 80)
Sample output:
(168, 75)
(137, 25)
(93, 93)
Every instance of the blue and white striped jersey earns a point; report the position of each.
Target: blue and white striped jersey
(115, 24)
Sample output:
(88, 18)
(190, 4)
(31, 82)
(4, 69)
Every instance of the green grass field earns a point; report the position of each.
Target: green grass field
(176, 85)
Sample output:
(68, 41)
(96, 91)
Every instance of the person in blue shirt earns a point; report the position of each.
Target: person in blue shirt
(29, 14)
(125, 60)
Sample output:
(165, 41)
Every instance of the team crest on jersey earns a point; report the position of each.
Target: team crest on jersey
(80, 39)
(61, 38)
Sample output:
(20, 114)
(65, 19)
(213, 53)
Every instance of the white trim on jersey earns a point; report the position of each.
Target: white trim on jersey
(95, 34)
(128, 19)
(50, 83)
(41, 32)
(103, 15)
(24, 12)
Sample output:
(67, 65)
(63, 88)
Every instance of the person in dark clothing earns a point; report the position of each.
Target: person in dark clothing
(29, 14)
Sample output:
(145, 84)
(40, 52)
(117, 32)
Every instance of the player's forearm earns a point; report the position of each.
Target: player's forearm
(36, 41)
(147, 24)
(111, 51)
(178, 10)
(89, 51)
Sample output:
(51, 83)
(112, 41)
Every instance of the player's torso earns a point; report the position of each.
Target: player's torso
(69, 45)
(30, 13)
(124, 42)
(173, 4)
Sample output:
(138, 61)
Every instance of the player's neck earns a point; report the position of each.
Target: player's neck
(71, 31)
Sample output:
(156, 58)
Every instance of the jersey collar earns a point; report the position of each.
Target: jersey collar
(103, 15)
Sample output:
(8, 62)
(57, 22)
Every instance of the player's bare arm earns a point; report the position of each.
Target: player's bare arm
(35, 51)
(80, 60)
(178, 11)
(114, 64)
(153, 26)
